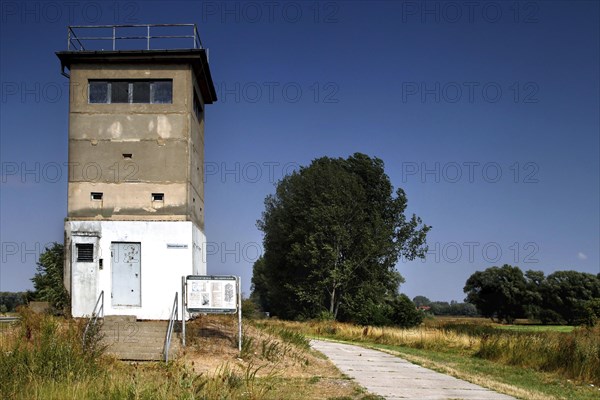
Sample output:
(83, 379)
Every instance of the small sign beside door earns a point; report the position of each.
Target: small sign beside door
(176, 246)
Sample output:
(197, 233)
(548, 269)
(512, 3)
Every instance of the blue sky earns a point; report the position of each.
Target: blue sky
(486, 113)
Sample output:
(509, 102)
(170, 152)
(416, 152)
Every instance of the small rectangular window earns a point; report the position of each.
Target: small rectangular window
(119, 92)
(141, 92)
(127, 156)
(158, 197)
(96, 195)
(162, 92)
(197, 107)
(98, 92)
(85, 252)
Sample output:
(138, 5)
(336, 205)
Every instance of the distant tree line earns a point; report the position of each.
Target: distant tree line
(445, 308)
(506, 293)
(9, 301)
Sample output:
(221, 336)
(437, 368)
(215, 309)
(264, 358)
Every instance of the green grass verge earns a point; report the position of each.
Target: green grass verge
(537, 328)
(520, 382)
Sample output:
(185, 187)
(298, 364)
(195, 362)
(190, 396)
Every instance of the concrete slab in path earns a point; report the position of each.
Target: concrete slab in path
(394, 378)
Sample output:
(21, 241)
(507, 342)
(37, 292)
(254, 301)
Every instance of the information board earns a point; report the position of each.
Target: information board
(212, 294)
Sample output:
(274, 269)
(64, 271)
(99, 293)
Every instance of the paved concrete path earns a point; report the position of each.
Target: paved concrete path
(394, 378)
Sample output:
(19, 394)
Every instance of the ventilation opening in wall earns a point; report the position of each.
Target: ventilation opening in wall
(85, 252)
(96, 195)
(158, 197)
(127, 156)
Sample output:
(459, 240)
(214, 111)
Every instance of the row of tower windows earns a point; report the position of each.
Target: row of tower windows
(155, 196)
(130, 91)
(137, 91)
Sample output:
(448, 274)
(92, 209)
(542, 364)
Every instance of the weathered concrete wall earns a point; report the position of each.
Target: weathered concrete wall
(162, 266)
(133, 201)
(150, 161)
(196, 161)
(165, 141)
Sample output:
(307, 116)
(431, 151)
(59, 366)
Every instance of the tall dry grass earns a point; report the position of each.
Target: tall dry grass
(43, 357)
(574, 355)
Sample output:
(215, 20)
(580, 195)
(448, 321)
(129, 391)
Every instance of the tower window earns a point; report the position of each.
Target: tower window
(130, 91)
(96, 195)
(158, 197)
(197, 107)
(85, 252)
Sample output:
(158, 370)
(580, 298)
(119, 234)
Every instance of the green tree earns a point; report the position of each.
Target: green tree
(421, 301)
(533, 306)
(48, 280)
(11, 300)
(591, 312)
(259, 284)
(333, 232)
(404, 313)
(499, 292)
(564, 294)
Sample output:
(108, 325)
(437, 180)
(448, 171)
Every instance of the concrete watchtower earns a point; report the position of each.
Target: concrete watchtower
(135, 222)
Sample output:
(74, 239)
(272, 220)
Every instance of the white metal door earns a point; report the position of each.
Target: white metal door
(126, 274)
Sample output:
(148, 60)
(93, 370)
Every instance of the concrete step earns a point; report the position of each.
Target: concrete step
(129, 339)
(120, 318)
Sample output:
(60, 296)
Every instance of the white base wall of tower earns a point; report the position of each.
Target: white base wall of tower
(164, 252)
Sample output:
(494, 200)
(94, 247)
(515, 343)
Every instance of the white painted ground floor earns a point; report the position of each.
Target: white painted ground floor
(138, 265)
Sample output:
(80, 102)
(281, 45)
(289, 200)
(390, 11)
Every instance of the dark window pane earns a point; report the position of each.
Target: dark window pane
(141, 92)
(197, 107)
(98, 92)
(85, 252)
(119, 92)
(162, 92)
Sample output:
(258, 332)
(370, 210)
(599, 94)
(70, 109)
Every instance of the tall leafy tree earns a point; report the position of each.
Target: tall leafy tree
(534, 279)
(565, 293)
(499, 292)
(333, 232)
(48, 280)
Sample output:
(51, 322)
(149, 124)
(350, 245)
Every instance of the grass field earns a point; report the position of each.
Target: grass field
(521, 325)
(537, 328)
(525, 361)
(43, 358)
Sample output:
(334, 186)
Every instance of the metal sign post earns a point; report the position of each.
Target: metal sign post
(183, 309)
(239, 292)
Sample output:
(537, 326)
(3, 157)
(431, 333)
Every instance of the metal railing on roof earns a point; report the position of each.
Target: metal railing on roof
(118, 37)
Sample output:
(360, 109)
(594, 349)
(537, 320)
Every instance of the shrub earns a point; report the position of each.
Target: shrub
(591, 312)
(249, 309)
(404, 313)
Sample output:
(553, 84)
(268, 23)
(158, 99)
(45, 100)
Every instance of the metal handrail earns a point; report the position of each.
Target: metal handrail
(174, 316)
(75, 43)
(94, 318)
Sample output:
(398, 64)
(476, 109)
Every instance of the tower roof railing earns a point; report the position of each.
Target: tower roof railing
(131, 37)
